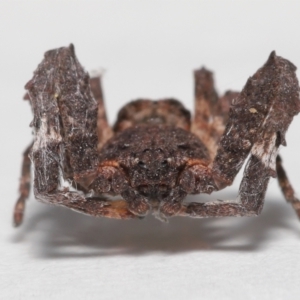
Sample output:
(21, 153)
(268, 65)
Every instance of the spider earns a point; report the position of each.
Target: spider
(155, 154)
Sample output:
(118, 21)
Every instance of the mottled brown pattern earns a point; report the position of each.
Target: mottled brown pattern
(211, 112)
(206, 97)
(143, 111)
(103, 129)
(258, 119)
(154, 156)
(225, 103)
(24, 188)
(98, 207)
(151, 161)
(286, 186)
(64, 112)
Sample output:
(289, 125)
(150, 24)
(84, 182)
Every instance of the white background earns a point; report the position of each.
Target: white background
(148, 49)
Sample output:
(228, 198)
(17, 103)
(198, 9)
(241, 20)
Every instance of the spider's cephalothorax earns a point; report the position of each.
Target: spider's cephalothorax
(150, 151)
(156, 154)
(152, 159)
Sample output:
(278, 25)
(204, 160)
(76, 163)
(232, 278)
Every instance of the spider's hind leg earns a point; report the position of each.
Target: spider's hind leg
(286, 187)
(104, 131)
(211, 111)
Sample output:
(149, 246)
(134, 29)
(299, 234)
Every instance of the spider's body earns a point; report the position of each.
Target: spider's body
(151, 152)
(153, 156)
(156, 154)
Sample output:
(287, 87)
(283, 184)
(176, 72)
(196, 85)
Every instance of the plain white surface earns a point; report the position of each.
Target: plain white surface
(148, 49)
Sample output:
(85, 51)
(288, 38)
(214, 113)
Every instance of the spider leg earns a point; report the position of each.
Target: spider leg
(224, 106)
(24, 188)
(206, 97)
(286, 186)
(248, 203)
(103, 129)
(258, 120)
(98, 207)
(65, 145)
(211, 112)
(65, 117)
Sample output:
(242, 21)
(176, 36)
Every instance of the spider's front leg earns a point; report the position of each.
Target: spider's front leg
(65, 151)
(258, 120)
(65, 120)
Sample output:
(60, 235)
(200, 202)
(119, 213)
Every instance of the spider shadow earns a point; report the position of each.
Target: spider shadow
(61, 233)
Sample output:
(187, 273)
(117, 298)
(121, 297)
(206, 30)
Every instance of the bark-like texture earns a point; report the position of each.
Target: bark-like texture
(258, 119)
(155, 155)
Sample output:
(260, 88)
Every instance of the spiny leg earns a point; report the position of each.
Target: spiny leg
(258, 121)
(286, 186)
(24, 189)
(103, 129)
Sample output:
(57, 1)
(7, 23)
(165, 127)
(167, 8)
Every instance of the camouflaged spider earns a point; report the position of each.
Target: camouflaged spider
(155, 154)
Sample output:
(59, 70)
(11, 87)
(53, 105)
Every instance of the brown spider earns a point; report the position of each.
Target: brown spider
(155, 154)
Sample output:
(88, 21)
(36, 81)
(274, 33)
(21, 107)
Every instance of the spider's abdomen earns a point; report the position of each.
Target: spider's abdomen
(169, 112)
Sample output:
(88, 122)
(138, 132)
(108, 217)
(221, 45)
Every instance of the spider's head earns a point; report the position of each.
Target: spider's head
(153, 173)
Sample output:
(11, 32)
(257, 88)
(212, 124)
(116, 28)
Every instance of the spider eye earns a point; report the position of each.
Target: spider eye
(141, 163)
(183, 146)
(164, 163)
